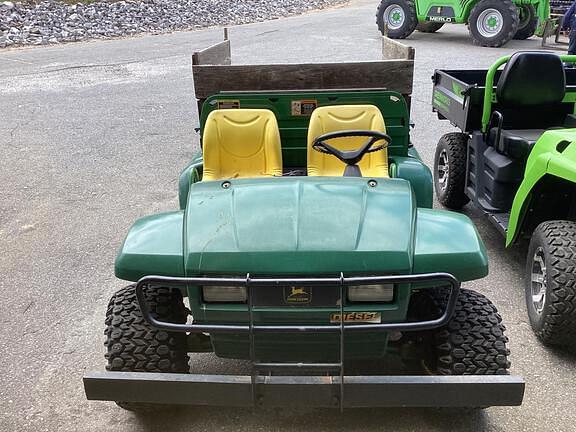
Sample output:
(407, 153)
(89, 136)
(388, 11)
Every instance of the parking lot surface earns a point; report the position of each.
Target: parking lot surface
(93, 136)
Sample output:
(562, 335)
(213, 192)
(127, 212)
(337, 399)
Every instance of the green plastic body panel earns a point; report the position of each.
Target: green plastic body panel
(153, 246)
(448, 242)
(188, 176)
(545, 159)
(299, 225)
(323, 225)
(437, 10)
(418, 175)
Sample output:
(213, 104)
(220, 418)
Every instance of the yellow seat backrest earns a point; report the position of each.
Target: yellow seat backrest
(241, 143)
(346, 117)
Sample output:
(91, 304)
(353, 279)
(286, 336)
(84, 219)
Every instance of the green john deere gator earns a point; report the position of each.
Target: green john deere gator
(491, 23)
(515, 159)
(305, 242)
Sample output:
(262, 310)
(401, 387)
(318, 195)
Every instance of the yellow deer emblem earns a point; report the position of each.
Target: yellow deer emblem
(296, 295)
(297, 292)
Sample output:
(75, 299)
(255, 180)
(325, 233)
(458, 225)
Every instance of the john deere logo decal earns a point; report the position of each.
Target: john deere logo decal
(297, 295)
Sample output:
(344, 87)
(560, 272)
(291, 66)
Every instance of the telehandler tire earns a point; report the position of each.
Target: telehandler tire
(527, 23)
(492, 23)
(396, 19)
(450, 170)
(429, 27)
(133, 345)
(551, 282)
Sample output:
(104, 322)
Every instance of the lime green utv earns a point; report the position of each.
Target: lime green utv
(491, 23)
(515, 159)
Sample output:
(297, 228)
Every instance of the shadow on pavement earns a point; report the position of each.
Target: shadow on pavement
(219, 418)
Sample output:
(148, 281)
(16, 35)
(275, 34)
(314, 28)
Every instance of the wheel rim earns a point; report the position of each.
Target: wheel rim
(490, 23)
(394, 16)
(538, 280)
(443, 169)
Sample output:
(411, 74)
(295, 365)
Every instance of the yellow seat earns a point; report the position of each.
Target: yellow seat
(346, 117)
(241, 143)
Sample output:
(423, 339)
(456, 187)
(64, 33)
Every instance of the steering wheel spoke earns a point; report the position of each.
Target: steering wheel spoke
(351, 157)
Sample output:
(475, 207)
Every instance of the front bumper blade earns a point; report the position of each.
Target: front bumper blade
(318, 391)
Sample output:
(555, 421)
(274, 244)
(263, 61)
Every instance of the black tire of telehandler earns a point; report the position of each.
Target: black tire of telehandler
(510, 17)
(452, 195)
(555, 324)
(429, 27)
(472, 343)
(527, 24)
(410, 19)
(133, 345)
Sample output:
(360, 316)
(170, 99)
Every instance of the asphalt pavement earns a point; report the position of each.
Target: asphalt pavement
(93, 135)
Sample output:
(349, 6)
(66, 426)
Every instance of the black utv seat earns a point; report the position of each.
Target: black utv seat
(531, 89)
(516, 143)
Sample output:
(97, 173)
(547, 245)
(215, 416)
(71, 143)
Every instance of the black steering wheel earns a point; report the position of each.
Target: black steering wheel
(351, 157)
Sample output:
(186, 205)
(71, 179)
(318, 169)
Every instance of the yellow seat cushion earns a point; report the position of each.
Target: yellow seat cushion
(241, 143)
(346, 117)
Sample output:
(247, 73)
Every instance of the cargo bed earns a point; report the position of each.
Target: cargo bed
(458, 97)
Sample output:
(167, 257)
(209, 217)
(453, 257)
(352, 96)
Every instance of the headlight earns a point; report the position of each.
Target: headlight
(371, 293)
(224, 294)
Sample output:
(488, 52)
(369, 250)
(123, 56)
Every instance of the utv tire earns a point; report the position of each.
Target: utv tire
(429, 27)
(492, 23)
(551, 282)
(133, 345)
(450, 170)
(528, 21)
(396, 18)
(472, 343)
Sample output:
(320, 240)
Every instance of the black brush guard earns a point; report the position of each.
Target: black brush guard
(330, 390)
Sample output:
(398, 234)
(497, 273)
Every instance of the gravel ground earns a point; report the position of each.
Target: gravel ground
(52, 22)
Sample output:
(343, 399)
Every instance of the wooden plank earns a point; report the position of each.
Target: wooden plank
(218, 54)
(389, 74)
(392, 49)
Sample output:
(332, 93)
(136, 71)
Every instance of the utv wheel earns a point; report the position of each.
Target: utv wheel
(551, 282)
(396, 18)
(450, 170)
(492, 23)
(135, 346)
(472, 343)
(528, 21)
(429, 27)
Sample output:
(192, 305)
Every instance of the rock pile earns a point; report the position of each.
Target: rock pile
(52, 21)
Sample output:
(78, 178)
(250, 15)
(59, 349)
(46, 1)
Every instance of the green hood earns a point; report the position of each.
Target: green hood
(299, 225)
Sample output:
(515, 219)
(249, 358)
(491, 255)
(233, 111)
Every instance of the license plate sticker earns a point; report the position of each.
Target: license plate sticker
(359, 317)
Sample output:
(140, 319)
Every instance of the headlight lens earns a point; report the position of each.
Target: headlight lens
(224, 294)
(371, 293)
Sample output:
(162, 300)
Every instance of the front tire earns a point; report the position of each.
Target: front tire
(472, 343)
(450, 170)
(551, 282)
(396, 18)
(528, 21)
(492, 23)
(429, 27)
(133, 345)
